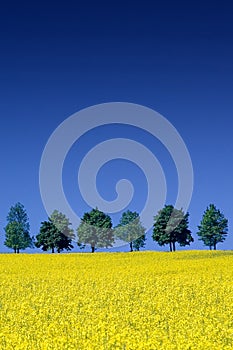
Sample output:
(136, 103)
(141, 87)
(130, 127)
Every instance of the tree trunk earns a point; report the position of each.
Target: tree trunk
(214, 245)
(174, 246)
(210, 247)
(52, 249)
(170, 244)
(17, 250)
(131, 246)
(92, 249)
(14, 249)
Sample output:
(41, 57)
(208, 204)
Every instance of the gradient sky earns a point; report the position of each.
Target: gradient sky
(175, 57)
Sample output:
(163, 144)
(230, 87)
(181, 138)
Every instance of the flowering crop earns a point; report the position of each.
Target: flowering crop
(104, 301)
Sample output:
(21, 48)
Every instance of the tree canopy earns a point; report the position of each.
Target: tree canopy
(131, 230)
(171, 226)
(213, 227)
(96, 230)
(17, 230)
(55, 233)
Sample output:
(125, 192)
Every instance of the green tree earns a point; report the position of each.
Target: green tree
(55, 233)
(171, 226)
(17, 230)
(213, 227)
(131, 230)
(95, 229)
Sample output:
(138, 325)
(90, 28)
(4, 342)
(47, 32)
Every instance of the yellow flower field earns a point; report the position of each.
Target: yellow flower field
(104, 301)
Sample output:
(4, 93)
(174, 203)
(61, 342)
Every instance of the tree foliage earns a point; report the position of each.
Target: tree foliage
(55, 233)
(171, 226)
(213, 227)
(131, 230)
(17, 230)
(96, 230)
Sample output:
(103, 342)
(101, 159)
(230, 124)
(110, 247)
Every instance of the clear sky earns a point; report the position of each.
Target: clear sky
(175, 57)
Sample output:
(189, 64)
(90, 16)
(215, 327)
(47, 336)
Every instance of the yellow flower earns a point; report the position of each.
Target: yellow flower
(106, 301)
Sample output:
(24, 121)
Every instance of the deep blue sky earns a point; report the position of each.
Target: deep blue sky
(173, 56)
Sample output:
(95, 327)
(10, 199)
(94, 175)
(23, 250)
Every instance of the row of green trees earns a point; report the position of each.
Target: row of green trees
(171, 227)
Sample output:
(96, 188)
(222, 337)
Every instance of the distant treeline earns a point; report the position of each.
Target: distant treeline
(171, 227)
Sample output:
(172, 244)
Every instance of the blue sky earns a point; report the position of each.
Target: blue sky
(174, 57)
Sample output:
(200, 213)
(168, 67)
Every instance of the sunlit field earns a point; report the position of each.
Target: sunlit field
(143, 300)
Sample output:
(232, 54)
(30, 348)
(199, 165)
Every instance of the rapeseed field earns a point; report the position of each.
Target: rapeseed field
(105, 301)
